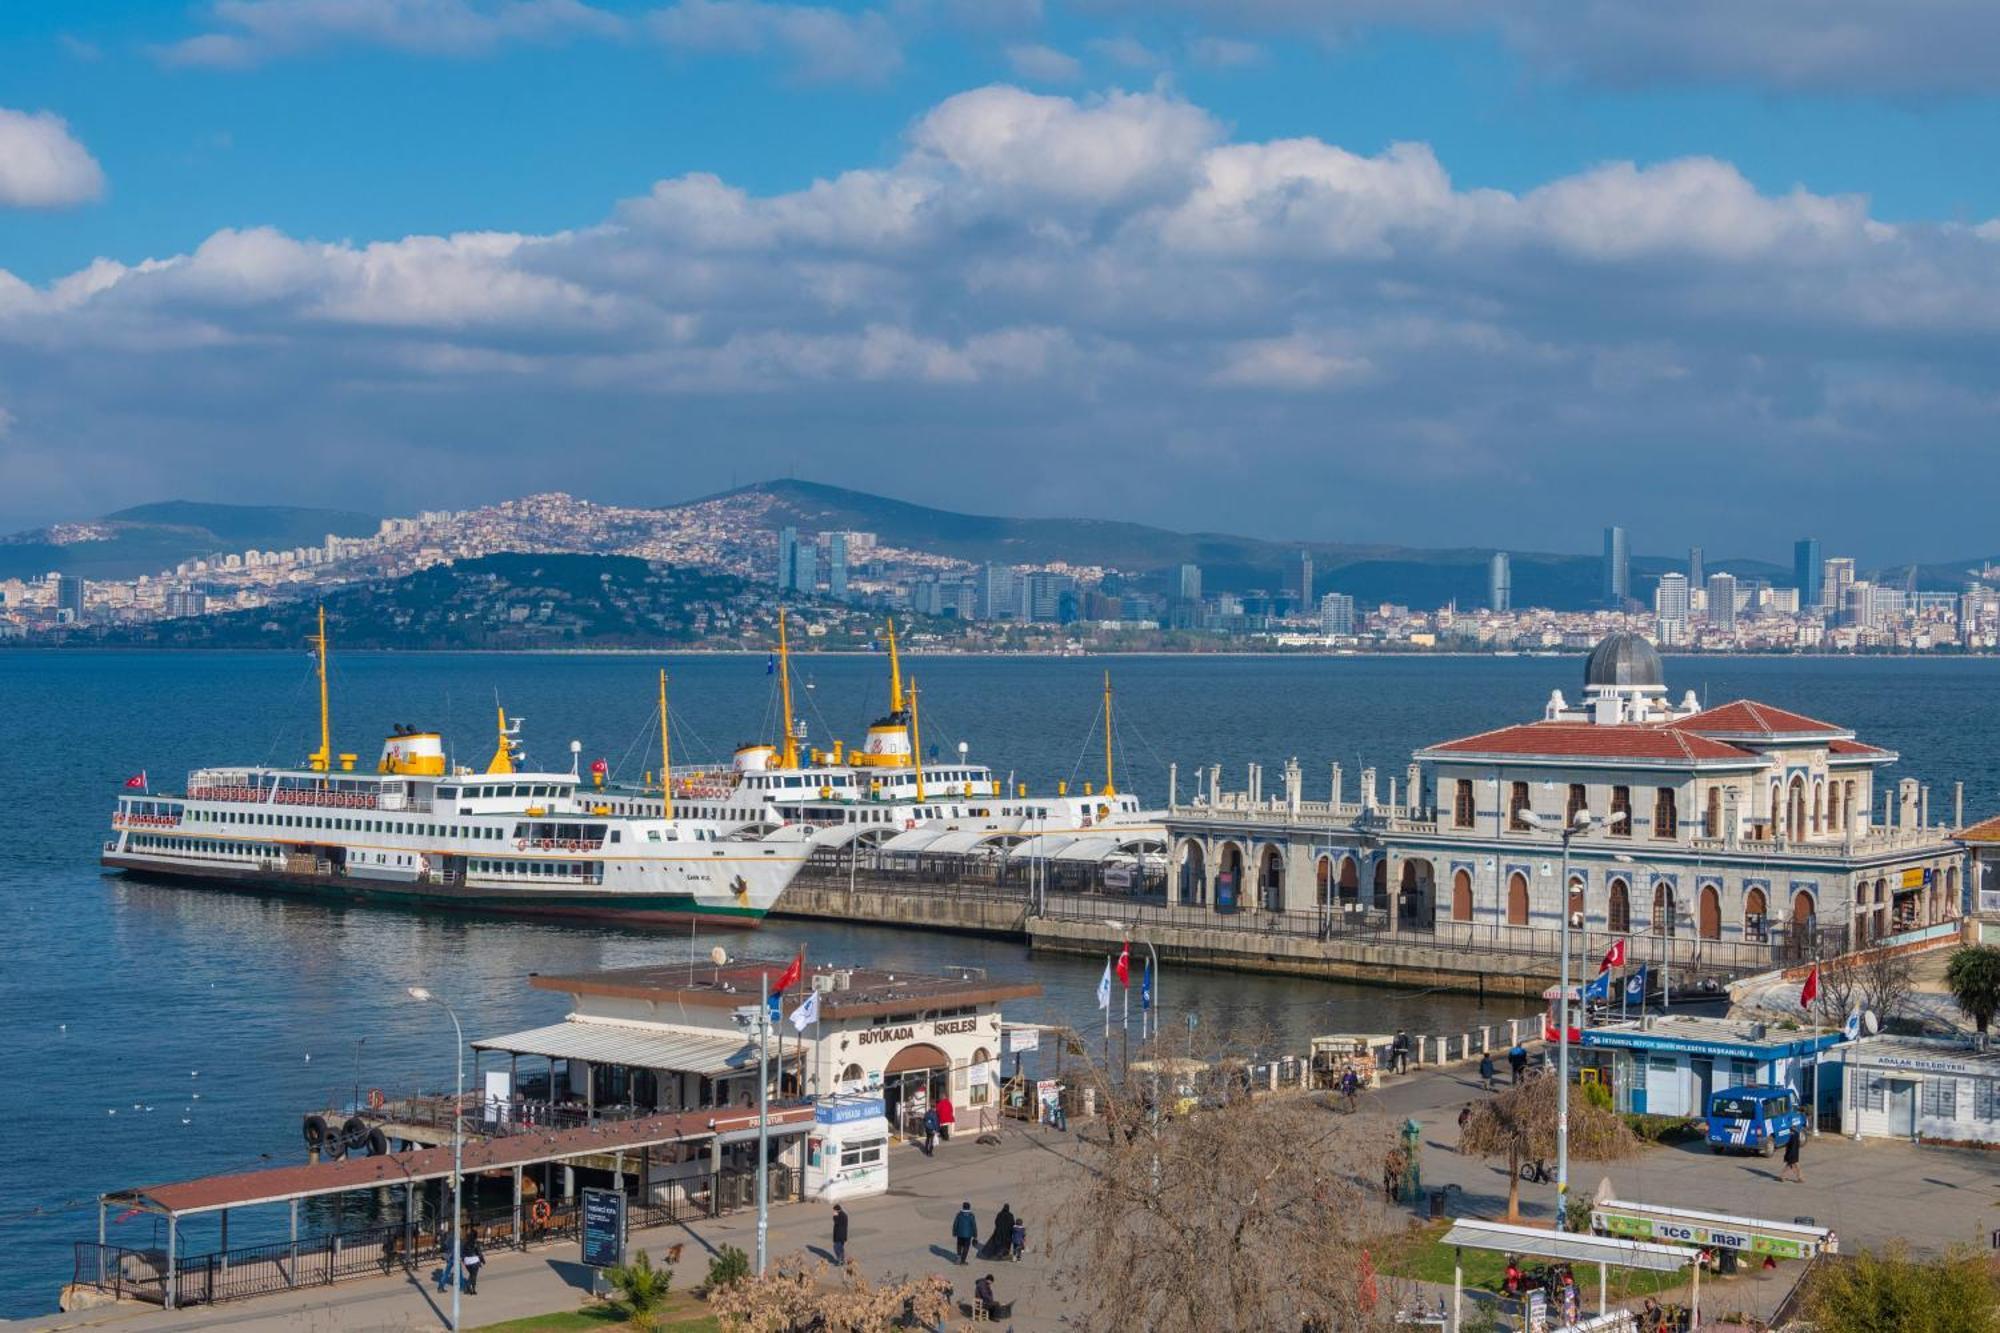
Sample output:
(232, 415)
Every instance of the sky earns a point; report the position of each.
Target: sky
(1429, 272)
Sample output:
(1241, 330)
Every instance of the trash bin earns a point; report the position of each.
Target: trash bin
(1437, 1212)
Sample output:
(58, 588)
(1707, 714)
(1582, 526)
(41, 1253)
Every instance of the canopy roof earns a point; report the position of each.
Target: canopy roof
(602, 1042)
(1568, 1246)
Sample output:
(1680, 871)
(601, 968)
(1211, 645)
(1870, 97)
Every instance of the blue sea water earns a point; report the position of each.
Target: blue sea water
(153, 1033)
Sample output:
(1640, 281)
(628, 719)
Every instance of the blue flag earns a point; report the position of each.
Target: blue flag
(1635, 986)
(1146, 986)
(771, 665)
(1600, 989)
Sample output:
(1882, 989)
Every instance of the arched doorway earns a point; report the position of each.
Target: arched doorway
(1804, 921)
(1756, 916)
(1517, 899)
(1461, 895)
(1193, 873)
(1663, 908)
(1618, 908)
(1350, 880)
(912, 1081)
(1709, 923)
(1229, 877)
(1381, 883)
(1576, 906)
(1416, 907)
(1271, 879)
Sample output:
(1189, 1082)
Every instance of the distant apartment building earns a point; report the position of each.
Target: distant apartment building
(1836, 577)
(1670, 600)
(1299, 580)
(993, 592)
(1786, 601)
(1046, 597)
(1190, 583)
(186, 602)
(69, 599)
(1722, 603)
(788, 559)
(1696, 573)
(1500, 582)
(1617, 567)
(836, 565)
(1336, 614)
(1808, 571)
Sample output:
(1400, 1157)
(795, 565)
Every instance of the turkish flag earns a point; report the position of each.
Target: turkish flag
(791, 976)
(1810, 991)
(137, 781)
(599, 767)
(1125, 965)
(1613, 957)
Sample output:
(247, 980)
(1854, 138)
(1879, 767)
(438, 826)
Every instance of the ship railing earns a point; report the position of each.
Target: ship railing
(328, 800)
(130, 821)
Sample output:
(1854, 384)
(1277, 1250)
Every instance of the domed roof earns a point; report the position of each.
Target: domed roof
(1624, 660)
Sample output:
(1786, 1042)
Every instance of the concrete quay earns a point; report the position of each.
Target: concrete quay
(967, 911)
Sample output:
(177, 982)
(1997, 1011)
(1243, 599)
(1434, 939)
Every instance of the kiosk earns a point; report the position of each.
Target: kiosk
(847, 1152)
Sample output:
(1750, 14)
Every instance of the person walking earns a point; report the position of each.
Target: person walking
(446, 1275)
(1399, 1052)
(1517, 1060)
(945, 1118)
(1003, 1234)
(1486, 1070)
(475, 1259)
(1393, 1164)
(930, 1131)
(1464, 1119)
(1019, 1240)
(964, 1230)
(839, 1234)
(1792, 1171)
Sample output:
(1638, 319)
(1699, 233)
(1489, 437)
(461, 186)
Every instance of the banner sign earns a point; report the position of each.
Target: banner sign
(1742, 1234)
(603, 1228)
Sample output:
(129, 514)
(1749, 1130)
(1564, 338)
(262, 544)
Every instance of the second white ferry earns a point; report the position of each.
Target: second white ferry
(414, 832)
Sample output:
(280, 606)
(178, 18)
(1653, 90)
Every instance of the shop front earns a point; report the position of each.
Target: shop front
(1672, 1065)
(847, 1152)
(1910, 1088)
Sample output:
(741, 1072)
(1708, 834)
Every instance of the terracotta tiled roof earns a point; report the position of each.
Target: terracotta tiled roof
(1746, 717)
(1986, 830)
(1588, 740)
(1857, 748)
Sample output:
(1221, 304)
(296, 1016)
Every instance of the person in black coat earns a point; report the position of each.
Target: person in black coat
(1001, 1242)
(839, 1234)
(475, 1259)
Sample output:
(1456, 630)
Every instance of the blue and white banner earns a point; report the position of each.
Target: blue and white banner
(1146, 986)
(1635, 986)
(1104, 988)
(806, 1014)
(1599, 989)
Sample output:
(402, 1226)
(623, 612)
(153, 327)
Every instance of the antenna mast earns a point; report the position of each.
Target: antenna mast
(895, 672)
(916, 740)
(1109, 790)
(790, 758)
(666, 754)
(322, 758)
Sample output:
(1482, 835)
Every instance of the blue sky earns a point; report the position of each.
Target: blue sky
(1786, 287)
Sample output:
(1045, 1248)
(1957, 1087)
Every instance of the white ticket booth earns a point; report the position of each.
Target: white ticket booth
(847, 1151)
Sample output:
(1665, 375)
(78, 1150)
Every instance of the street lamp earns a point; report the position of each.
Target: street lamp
(457, 1154)
(760, 1019)
(1580, 822)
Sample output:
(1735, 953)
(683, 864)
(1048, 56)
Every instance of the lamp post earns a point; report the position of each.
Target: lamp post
(457, 1153)
(760, 1020)
(1578, 823)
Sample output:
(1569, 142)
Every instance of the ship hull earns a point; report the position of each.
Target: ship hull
(578, 903)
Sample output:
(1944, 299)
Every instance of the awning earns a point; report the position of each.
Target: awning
(1570, 1247)
(1041, 846)
(967, 840)
(626, 1044)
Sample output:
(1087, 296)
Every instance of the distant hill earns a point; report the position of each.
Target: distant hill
(152, 537)
(1417, 576)
(508, 601)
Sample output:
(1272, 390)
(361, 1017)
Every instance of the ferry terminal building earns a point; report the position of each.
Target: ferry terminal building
(1737, 835)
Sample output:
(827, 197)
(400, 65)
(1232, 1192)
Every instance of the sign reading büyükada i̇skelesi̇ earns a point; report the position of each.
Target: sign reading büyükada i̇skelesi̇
(943, 1027)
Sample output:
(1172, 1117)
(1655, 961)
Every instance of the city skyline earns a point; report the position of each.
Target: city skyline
(1102, 261)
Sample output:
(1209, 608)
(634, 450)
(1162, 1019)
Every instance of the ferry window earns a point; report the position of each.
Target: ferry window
(447, 793)
(616, 836)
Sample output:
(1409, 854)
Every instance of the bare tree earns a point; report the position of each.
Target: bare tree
(1840, 989)
(799, 1293)
(1520, 1124)
(1202, 1208)
(1887, 978)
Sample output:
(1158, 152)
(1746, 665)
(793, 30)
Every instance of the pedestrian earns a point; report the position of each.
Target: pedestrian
(964, 1230)
(1486, 1070)
(1350, 1086)
(1464, 1119)
(1019, 1239)
(1399, 1052)
(1393, 1163)
(945, 1118)
(1792, 1170)
(839, 1234)
(930, 1131)
(475, 1259)
(1517, 1060)
(1003, 1234)
(446, 1274)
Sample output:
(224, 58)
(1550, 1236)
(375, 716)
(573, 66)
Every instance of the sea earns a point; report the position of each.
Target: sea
(152, 1033)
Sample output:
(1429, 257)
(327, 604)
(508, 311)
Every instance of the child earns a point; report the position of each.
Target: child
(1020, 1239)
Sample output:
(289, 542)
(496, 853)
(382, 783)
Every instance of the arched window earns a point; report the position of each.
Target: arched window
(1517, 806)
(1619, 824)
(1804, 916)
(1663, 908)
(1709, 924)
(1576, 898)
(1577, 801)
(1461, 895)
(1517, 899)
(851, 1074)
(1666, 814)
(1714, 828)
(976, 1093)
(1819, 804)
(1795, 811)
(1756, 916)
(1461, 804)
(1618, 908)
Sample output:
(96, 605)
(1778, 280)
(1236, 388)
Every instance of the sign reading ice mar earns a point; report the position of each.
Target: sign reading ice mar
(1674, 1226)
(603, 1228)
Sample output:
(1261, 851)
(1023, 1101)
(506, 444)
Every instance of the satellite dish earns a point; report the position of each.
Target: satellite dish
(1870, 1021)
(718, 955)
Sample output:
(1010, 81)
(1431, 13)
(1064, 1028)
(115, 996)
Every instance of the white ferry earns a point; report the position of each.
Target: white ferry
(883, 784)
(509, 839)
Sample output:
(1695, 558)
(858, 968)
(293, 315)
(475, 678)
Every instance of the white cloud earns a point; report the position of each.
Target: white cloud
(1107, 289)
(826, 45)
(42, 165)
(1224, 52)
(1044, 64)
(249, 32)
(1128, 51)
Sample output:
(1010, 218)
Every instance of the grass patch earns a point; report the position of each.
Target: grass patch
(1419, 1255)
(683, 1313)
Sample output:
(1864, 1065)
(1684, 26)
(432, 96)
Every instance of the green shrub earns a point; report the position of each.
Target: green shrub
(1596, 1094)
(641, 1287)
(1667, 1128)
(729, 1266)
(1892, 1292)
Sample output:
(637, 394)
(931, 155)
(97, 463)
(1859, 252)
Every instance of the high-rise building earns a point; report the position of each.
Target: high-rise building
(836, 566)
(1836, 577)
(1617, 567)
(788, 558)
(69, 598)
(1670, 599)
(1722, 601)
(1697, 572)
(993, 592)
(1336, 614)
(1808, 571)
(805, 568)
(1190, 582)
(186, 602)
(1299, 580)
(1500, 582)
